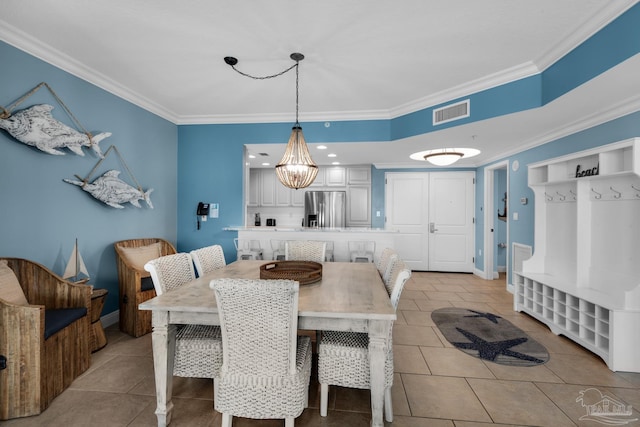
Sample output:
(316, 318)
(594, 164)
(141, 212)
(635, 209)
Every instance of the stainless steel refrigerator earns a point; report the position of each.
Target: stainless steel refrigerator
(325, 209)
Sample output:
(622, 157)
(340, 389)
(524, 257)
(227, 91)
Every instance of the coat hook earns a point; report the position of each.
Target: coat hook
(562, 196)
(637, 189)
(598, 195)
(617, 195)
(573, 194)
(549, 198)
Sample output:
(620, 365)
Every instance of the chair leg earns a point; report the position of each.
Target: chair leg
(324, 398)
(226, 420)
(388, 407)
(289, 422)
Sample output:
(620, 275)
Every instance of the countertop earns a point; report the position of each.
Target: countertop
(309, 230)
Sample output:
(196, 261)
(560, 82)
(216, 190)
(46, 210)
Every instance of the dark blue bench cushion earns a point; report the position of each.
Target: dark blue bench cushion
(146, 284)
(55, 320)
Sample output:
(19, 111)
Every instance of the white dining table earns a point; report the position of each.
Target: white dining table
(349, 297)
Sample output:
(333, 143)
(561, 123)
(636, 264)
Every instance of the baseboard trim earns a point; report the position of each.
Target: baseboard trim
(110, 319)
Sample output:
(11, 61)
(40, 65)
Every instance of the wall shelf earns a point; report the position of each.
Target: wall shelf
(583, 279)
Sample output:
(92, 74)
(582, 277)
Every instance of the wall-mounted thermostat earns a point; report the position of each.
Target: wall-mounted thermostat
(524, 200)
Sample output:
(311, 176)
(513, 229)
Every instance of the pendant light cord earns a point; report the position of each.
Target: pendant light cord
(231, 61)
(297, 91)
(262, 77)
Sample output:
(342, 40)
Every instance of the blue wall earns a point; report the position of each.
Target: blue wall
(40, 215)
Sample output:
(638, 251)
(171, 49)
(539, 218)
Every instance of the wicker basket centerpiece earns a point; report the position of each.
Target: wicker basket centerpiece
(305, 272)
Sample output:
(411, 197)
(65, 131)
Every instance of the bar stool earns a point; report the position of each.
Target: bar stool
(277, 247)
(328, 252)
(362, 251)
(248, 249)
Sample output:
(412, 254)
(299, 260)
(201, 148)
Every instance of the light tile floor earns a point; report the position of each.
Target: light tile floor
(435, 384)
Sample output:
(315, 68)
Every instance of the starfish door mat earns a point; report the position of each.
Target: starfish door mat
(489, 337)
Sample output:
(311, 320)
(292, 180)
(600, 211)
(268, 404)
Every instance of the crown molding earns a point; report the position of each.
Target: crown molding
(331, 116)
(621, 109)
(576, 36)
(25, 42)
(499, 78)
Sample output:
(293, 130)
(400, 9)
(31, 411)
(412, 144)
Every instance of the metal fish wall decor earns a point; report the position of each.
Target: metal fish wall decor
(113, 191)
(35, 126)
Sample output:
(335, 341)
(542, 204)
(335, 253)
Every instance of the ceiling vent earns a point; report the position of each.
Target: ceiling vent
(451, 112)
(263, 154)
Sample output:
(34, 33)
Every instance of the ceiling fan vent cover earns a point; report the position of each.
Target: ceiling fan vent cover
(451, 112)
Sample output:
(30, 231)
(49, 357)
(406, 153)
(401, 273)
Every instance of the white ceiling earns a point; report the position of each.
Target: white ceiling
(363, 60)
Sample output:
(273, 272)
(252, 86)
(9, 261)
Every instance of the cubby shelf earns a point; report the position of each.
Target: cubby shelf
(583, 279)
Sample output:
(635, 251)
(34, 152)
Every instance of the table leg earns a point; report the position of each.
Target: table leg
(164, 344)
(378, 337)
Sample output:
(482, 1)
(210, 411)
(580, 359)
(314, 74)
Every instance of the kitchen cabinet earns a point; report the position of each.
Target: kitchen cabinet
(358, 175)
(266, 190)
(582, 280)
(254, 187)
(358, 206)
(335, 176)
(297, 197)
(319, 181)
(268, 187)
(283, 194)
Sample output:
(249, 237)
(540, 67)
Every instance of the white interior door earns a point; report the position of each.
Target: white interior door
(406, 210)
(451, 228)
(433, 213)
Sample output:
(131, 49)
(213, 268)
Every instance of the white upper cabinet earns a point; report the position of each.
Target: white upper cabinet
(335, 176)
(254, 187)
(319, 181)
(359, 175)
(268, 187)
(283, 194)
(358, 206)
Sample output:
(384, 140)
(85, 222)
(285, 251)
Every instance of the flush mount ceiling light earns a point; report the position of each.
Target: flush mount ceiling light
(296, 169)
(445, 156)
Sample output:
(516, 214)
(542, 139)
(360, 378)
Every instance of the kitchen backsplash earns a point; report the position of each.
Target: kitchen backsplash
(284, 216)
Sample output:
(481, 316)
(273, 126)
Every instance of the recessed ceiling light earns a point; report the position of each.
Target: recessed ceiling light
(321, 147)
(335, 163)
(252, 156)
(265, 164)
(332, 155)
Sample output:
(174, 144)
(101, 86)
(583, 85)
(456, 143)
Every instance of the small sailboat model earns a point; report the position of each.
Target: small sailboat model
(75, 266)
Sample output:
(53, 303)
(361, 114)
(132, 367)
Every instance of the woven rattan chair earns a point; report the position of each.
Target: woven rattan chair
(208, 259)
(305, 250)
(343, 357)
(136, 286)
(44, 336)
(198, 347)
(385, 262)
(267, 368)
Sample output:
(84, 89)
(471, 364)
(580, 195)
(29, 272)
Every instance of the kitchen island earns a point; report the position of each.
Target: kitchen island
(339, 237)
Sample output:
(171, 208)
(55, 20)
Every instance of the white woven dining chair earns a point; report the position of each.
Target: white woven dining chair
(208, 259)
(385, 262)
(198, 351)
(267, 368)
(343, 357)
(305, 250)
